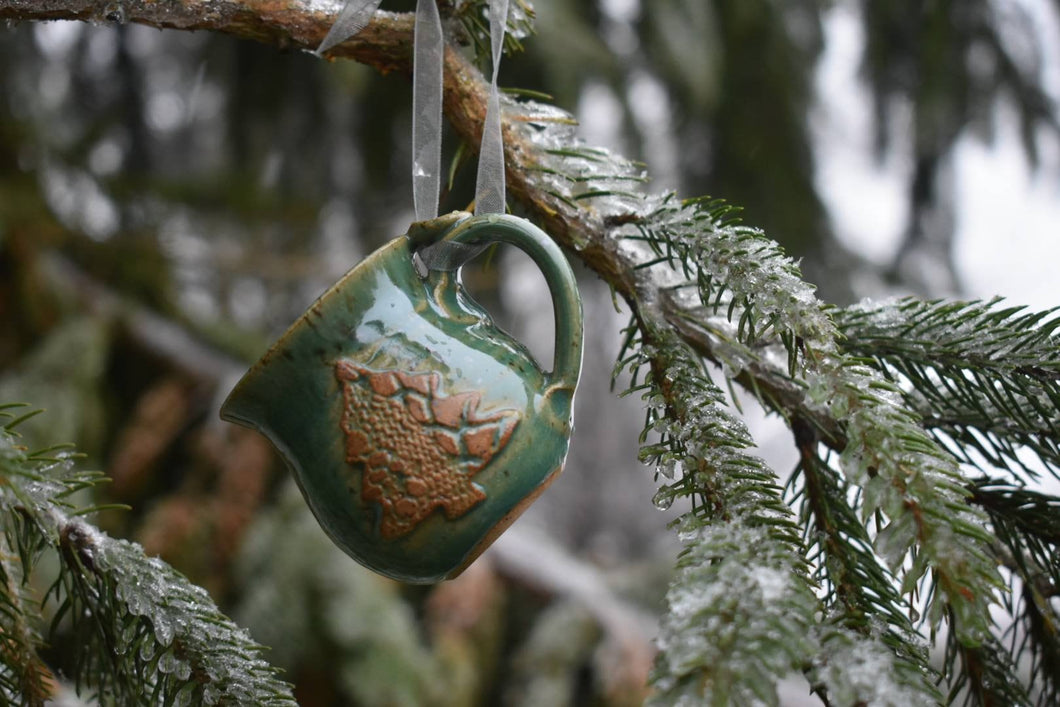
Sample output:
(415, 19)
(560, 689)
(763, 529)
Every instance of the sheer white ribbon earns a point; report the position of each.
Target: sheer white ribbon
(353, 18)
(489, 187)
(428, 61)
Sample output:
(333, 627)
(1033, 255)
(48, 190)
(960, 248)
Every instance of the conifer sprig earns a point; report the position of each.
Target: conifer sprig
(741, 607)
(732, 294)
(983, 675)
(1026, 524)
(23, 675)
(473, 17)
(985, 378)
(861, 594)
(145, 634)
(744, 280)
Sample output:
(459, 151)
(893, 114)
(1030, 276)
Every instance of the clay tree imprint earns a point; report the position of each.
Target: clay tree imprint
(419, 446)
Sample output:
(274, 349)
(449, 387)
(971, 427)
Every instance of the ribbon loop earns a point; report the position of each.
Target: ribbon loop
(490, 184)
(428, 61)
(427, 77)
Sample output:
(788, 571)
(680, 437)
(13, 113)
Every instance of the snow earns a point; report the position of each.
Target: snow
(860, 670)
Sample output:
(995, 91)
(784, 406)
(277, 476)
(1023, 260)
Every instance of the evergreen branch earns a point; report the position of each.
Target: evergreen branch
(23, 676)
(1027, 527)
(737, 622)
(741, 608)
(984, 376)
(903, 473)
(473, 16)
(153, 632)
(1031, 516)
(986, 676)
(737, 273)
(961, 335)
(860, 591)
(144, 632)
(855, 668)
(741, 611)
(919, 489)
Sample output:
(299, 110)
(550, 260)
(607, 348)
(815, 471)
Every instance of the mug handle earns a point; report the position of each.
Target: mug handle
(473, 232)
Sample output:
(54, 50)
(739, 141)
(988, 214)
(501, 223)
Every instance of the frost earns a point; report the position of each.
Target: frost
(520, 23)
(178, 612)
(520, 20)
(908, 477)
(540, 113)
(142, 606)
(605, 184)
(740, 605)
(733, 613)
(771, 583)
(669, 468)
(163, 630)
(171, 664)
(861, 670)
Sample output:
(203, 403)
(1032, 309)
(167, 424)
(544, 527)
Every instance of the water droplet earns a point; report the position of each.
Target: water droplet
(147, 651)
(115, 12)
(664, 498)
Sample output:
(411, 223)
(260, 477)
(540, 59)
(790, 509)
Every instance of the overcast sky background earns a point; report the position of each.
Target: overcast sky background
(1007, 215)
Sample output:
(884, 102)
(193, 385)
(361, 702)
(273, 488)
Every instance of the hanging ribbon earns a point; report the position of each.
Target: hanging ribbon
(428, 62)
(489, 187)
(353, 18)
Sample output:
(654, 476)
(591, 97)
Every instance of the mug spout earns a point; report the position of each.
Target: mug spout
(243, 406)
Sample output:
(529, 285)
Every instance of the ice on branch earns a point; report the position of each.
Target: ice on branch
(146, 631)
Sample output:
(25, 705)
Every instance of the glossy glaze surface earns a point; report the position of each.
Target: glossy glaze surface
(416, 429)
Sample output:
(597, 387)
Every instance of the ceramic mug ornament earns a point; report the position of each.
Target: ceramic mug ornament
(417, 430)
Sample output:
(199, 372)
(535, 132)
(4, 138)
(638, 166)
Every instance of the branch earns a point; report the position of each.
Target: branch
(386, 45)
(176, 644)
(285, 24)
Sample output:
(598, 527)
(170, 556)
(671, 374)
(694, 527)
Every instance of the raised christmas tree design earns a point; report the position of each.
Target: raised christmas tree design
(419, 446)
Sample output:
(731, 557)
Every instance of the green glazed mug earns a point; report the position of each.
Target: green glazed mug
(416, 429)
